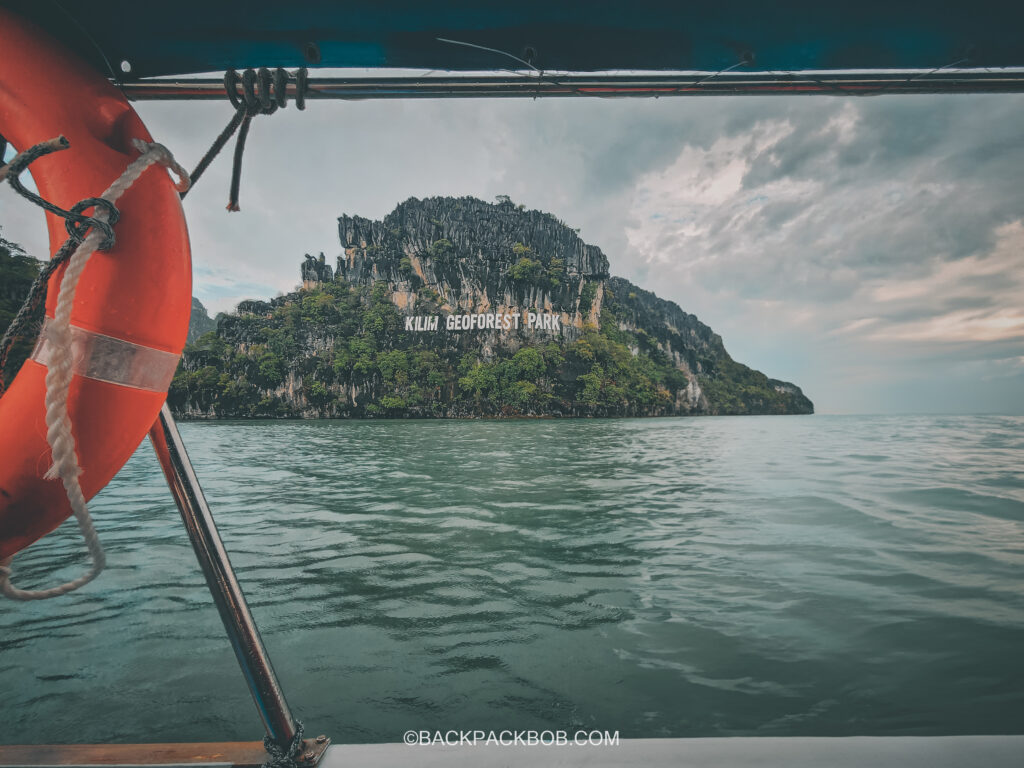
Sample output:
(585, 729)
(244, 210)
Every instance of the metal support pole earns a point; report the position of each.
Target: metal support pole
(220, 577)
(530, 85)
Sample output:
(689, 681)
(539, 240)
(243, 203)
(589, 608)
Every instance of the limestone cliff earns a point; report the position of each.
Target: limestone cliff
(357, 339)
(465, 250)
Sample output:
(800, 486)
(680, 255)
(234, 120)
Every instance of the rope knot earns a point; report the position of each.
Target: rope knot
(283, 758)
(162, 155)
(263, 93)
(103, 219)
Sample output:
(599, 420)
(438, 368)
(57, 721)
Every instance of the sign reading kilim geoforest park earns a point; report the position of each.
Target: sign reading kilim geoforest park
(499, 321)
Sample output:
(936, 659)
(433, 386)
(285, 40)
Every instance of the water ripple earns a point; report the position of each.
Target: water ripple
(666, 577)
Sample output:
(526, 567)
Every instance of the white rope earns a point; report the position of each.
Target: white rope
(58, 380)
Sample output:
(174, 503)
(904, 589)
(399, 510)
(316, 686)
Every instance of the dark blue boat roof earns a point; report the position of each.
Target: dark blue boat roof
(188, 36)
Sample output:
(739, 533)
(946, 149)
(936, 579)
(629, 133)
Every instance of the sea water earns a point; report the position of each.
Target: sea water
(820, 575)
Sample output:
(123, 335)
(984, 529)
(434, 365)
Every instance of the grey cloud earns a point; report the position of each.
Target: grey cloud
(775, 275)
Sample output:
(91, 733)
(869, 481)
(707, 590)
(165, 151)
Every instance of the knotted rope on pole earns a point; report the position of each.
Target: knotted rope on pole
(284, 757)
(87, 235)
(262, 93)
(76, 222)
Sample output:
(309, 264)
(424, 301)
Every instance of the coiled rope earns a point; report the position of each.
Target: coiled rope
(100, 235)
(24, 324)
(284, 757)
(262, 93)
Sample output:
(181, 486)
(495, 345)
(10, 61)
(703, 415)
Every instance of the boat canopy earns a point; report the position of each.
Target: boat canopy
(128, 41)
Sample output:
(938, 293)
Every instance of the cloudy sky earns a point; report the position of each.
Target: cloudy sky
(870, 250)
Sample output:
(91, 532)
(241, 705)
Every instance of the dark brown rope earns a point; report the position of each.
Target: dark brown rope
(262, 93)
(25, 322)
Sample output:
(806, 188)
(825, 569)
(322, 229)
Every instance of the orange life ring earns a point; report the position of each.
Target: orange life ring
(134, 299)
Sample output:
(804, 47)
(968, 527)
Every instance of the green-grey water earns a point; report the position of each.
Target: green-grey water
(666, 577)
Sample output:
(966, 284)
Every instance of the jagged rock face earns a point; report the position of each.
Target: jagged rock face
(467, 251)
(199, 322)
(316, 271)
(691, 344)
(475, 275)
(338, 347)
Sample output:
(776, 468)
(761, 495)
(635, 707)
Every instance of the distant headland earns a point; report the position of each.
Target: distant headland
(455, 307)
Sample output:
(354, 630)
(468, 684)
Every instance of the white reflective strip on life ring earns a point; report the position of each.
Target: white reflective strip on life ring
(116, 361)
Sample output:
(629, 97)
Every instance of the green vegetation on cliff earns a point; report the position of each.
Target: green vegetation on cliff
(736, 389)
(340, 350)
(544, 271)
